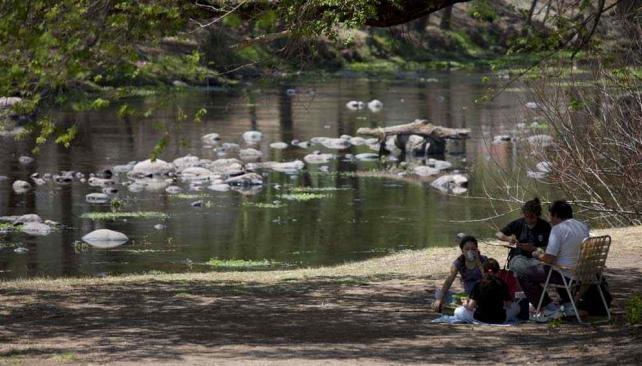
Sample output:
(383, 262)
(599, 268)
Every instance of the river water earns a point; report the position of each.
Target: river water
(351, 218)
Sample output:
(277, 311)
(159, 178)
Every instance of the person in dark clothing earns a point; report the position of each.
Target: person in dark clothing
(490, 300)
(527, 234)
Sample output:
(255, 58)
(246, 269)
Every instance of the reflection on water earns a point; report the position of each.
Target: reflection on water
(347, 218)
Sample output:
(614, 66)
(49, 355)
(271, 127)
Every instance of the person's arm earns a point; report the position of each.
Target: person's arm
(444, 289)
(503, 237)
(527, 247)
(545, 257)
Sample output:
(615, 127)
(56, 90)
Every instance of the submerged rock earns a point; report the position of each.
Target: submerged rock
(97, 198)
(23, 219)
(252, 137)
(160, 227)
(173, 189)
(318, 158)
(455, 183)
(26, 160)
(196, 173)
(367, 156)
(375, 105)
(123, 168)
(279, 145)
(105, 238)
(357, 141)
(35, 229)
(250, 154)
(149, 168)
(100, 182)
(20, 186)
(425, 171)
(335, 144)
(247, 179)
(211, 138)
(186, 161)
(283, 167)
(439, 164)
(219, 187)
(355, 105)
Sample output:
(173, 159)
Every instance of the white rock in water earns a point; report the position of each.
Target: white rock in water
(357, 141)
(279, 145)
(105, 238)
(252, 137)
(123, 168)
(450, 182)
(540, 140)
(354, 105)
(20, 186)
(439, 164)
(335, 144)
(159, 226)
(532, 105)
(228, 146)
(8, 102)
(318, 158)
(21, 250)
(367, 156)
(247, 179)
(97, 198)
(39, 181)
(211, 138)
(196, 173)
(219, 187)
(173, 189)
(149, 167)
(35, 229)
(290, 92)
(425, 171)
(544, 167)
(284, 167)
(375, 105)
(100, 182)
(250, 154)
(25, 160)
(26, 219)
(186, 161)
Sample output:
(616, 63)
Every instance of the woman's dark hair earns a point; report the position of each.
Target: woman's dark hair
(466, 239)
(533, 206)
(561, 209)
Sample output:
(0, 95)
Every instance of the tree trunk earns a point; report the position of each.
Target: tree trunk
(445, 18)
(531, 12)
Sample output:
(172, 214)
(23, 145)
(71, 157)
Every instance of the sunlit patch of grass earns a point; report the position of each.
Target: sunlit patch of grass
(302, 197)
(239, 263)
(124, 215)
(263, 205)
(65, 357)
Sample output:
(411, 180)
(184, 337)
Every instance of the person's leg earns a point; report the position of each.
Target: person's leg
(512, 311)
(531, 282)
(464, 315)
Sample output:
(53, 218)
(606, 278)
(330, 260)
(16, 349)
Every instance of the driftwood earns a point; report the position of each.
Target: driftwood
(418, 127)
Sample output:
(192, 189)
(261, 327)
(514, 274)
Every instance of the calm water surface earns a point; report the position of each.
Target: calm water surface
(358, 217)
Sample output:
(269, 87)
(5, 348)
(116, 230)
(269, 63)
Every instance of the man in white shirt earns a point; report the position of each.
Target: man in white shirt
(563, 249)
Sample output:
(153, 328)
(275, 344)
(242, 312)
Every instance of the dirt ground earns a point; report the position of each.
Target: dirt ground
(372, 312)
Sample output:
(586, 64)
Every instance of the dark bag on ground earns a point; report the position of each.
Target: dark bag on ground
(591, 302)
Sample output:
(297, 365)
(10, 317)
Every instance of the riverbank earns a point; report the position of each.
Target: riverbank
(375, 311)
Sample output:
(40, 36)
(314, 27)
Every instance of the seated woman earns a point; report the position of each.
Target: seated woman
(468, 265)
(490, 300)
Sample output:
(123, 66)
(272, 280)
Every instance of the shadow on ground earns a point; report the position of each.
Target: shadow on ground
(348, 318)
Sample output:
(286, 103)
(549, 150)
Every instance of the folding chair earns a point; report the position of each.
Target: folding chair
(588, 271)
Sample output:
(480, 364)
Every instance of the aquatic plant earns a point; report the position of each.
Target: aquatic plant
(263, 205)
(302, 197)
(318, 189)
(124, 215)
(5, 227)
(239, 263)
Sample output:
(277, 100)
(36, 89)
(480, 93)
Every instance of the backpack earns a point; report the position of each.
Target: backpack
(591, 302)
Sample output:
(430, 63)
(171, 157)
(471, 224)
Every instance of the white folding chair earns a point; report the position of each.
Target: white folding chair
(588, 271)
